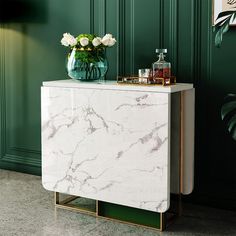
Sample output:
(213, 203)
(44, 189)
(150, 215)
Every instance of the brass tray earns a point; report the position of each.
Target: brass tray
(135, 80)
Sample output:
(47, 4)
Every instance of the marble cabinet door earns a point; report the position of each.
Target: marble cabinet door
(108, 145)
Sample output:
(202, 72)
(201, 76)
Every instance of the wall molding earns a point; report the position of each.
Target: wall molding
(2, 92)
(162, 23)
(26, 156)
(16, 159)
(193, 39)
(132, 25)
(91, 16)
(102, 17)
(209, 40)
(173, 34)
(26, 150)
(121, 37)
(197, 41)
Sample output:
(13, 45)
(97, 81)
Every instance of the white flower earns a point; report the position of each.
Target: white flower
(111, 42)
(96, 41)
(84, 41)
(107, 36)
(68, 40)
(107, 40)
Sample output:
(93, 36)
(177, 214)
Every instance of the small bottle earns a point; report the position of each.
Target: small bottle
(161, 69)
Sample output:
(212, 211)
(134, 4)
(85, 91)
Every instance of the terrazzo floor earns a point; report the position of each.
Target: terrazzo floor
(27, 209)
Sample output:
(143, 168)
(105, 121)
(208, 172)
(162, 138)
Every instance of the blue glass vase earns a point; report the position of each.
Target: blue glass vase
(87, 65)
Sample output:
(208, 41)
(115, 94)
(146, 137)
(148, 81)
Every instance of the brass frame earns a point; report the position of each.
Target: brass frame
(134, 224)
(65, 203)
(134, 80)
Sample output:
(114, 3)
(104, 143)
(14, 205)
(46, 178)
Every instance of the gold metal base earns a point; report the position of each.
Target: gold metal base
(67, 205)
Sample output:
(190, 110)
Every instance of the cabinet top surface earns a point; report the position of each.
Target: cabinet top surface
(112, 85)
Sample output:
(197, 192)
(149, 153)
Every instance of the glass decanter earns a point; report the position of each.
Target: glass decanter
(161, 69)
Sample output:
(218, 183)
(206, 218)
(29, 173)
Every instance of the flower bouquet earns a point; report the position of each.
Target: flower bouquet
(86, 59)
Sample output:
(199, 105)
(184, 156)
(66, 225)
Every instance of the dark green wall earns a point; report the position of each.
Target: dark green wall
(30, 53)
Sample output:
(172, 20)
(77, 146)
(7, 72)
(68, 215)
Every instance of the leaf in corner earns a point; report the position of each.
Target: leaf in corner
(228, 114)
(218, 38)
(224, 13)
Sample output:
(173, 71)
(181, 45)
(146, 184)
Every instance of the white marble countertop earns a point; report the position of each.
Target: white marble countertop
(112, 85)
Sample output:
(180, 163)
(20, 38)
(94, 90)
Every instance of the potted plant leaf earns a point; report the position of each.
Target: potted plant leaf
(222, 26)
(228, 114)
(228, 110)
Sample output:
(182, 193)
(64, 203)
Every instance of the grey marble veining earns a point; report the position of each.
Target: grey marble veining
(26, 209)
(107, 145)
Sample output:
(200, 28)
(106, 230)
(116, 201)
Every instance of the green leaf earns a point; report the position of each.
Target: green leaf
(222, 22)
(228, 113)
(227, 108)
(233, 133)
(222, 29)
(232, 123)
(89, 36)
(222, 26)
(232, 18)
(231, 96)
(224, 13)
(218, 38)
(225, 28)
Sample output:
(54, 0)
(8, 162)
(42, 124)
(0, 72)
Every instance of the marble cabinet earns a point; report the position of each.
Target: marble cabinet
(112, 142)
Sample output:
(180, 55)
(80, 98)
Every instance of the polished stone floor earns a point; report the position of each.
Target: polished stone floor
(27, 209)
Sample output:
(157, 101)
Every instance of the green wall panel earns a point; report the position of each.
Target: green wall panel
(169, 32)
(142, 34)
(111, 25)
(30, 52)
(186, 40)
